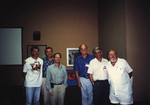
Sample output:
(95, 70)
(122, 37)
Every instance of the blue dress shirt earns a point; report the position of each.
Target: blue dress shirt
(81, 65)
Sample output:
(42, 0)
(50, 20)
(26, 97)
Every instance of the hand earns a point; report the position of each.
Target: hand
(79, 84)
(51, 93)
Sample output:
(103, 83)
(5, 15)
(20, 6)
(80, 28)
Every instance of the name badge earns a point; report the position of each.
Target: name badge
(86, 65)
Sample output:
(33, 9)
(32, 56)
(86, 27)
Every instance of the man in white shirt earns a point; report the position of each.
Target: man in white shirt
(99, 78)
(120, 79)
(33, 77)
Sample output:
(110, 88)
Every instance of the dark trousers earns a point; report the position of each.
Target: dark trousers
(73, 96)
(101, 93)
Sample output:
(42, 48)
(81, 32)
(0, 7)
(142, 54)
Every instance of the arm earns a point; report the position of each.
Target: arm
(66, 77)
(90, 72)
(130, 74)
(129, 69)
(77, 75)
(48, 84)
(24, 75)
(91, 78)
(24, 70)
(76, 68)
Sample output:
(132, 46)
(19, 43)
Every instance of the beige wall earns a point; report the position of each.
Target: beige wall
(111, 30)
(137, 34)
(121, 24)
(124, 26)
(62, 25)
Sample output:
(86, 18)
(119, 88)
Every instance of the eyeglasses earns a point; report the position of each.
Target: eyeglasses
(97, 52)
(83, 49)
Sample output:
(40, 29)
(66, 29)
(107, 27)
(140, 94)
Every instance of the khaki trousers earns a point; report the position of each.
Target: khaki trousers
(45, 93)
(58, 95)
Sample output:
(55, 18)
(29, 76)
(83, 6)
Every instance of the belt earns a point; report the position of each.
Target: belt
(85, 77)
(101, 80)
(52, 84)
(57, 83)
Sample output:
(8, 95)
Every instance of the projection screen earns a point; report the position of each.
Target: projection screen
(10, 46)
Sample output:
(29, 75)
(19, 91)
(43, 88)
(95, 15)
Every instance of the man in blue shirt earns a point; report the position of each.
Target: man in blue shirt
(81, 68)
(48, 60)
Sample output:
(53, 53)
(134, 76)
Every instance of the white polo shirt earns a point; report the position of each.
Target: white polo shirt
(120, 82)
(98, 69)
(33, 78)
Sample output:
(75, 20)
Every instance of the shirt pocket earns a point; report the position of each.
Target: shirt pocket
(120, 71)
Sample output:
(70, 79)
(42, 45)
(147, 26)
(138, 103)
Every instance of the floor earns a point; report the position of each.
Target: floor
(16, 96)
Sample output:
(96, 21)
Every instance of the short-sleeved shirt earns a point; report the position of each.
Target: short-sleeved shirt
(98, 69)
(46, 63)
(33, 78)
(82, 64)
(120, 82)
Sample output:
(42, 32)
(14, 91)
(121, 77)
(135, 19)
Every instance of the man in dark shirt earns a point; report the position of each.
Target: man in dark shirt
(48, 60)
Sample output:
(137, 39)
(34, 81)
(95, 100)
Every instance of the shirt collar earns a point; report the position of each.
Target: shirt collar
(48, 59)
(85, 57)
(35, 59)
(60, 66)
(98, 60)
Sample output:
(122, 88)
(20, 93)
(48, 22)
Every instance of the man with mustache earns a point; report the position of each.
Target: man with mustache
(32, 71)
(47, 61)
(99, 78)
(120, 79)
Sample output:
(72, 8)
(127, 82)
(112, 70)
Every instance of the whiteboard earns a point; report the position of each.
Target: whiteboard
(10, 46)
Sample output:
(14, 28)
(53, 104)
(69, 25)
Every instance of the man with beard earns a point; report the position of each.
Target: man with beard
(81, 68)
(99, 78)
(120, 79)
(47, 61)
(33, 77)
(56, 81)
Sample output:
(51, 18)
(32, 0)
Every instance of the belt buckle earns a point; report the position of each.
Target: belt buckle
(85, 77)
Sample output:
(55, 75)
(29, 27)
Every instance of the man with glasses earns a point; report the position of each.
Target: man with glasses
(99, 78)
(81, 68)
